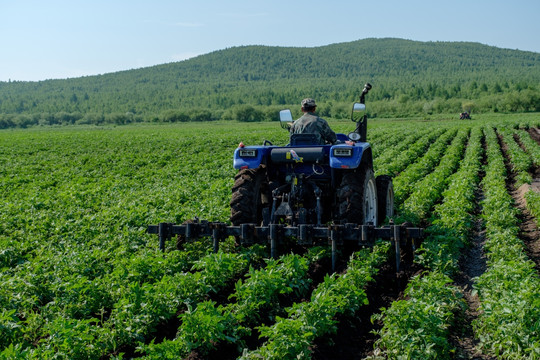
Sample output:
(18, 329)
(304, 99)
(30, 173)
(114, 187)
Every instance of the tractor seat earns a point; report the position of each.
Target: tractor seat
(304, 139)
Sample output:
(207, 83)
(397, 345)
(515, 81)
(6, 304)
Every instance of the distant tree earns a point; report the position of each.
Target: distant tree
(247, 113)
(201, 115)
(419, 78)
(175, 116)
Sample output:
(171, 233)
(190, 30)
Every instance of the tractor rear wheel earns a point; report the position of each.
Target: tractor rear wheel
(357, 197)
(249, 195)
(385, 196)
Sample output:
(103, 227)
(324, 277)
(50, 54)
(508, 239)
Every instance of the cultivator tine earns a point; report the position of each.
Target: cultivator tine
(164, 234)
(397, 244)
(334, 234)
(274, 239)
(217, 235)
(246, 233)
(304, 235)
(364, 238)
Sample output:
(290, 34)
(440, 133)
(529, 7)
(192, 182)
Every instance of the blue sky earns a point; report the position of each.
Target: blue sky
(57, 39)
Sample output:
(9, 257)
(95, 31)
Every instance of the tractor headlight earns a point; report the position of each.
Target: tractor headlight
(247, 152)
(342, 152)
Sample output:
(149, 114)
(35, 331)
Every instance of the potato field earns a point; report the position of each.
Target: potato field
(81, 279)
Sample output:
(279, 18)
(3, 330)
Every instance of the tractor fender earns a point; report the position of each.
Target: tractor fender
(250, 157)
(348, 156)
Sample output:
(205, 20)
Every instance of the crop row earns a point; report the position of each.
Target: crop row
(429, 190)
(454, 216)
(509, 290)
(291, 337)
(405, 181)
(533, 149)
(530, 146)
(138, 311)
(205, 326)
(521, 161)
(533, 203)
(418, 325)
(382, 140)
(396, 159)
(79, 278)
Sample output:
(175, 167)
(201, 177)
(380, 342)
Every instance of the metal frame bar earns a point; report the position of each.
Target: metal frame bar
(274, 234)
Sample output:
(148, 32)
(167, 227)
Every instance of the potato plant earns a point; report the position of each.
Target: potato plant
(80, 278)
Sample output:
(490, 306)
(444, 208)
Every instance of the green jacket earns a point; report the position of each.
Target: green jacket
(310, 123)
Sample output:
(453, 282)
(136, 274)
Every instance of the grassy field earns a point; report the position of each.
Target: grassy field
(80, 279)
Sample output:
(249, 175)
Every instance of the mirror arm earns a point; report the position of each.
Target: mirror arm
(361, 128)
(366, 89)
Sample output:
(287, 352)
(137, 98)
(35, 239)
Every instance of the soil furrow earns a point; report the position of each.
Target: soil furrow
(354, 338)
(471, 265)
(529, 232)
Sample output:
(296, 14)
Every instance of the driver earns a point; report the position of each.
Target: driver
(311, 123)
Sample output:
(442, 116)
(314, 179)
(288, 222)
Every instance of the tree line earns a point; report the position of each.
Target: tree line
(251, 83)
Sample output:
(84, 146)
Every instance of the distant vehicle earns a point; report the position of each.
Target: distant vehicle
(465, 116)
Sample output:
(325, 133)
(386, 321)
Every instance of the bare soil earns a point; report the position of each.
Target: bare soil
(535, 134)
(529, 231)
(472, 264)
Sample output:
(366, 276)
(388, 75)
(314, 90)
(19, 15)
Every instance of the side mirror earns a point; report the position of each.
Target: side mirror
(358, 112)
(354, 136)
(285, 118)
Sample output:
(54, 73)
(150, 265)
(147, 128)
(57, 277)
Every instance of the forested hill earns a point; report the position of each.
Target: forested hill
(408, 77)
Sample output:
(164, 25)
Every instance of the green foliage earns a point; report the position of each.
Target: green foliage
(533, 203)
(430, 188)
(531, 146)
(406, 154)
(404, 183)
(81, 279)
(206, 326)
(417, 328)
(520, 160)
(245, 83)
(10, 327)
(509, 290)
(454, 217)
(290, 338)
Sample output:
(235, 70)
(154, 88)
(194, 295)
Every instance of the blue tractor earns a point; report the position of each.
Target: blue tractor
(308, 183)
(305, 194)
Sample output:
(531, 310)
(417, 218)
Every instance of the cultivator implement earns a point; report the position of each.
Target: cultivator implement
(304, 235)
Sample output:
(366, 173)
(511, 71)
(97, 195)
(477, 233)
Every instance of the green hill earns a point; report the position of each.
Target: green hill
(409, 77)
